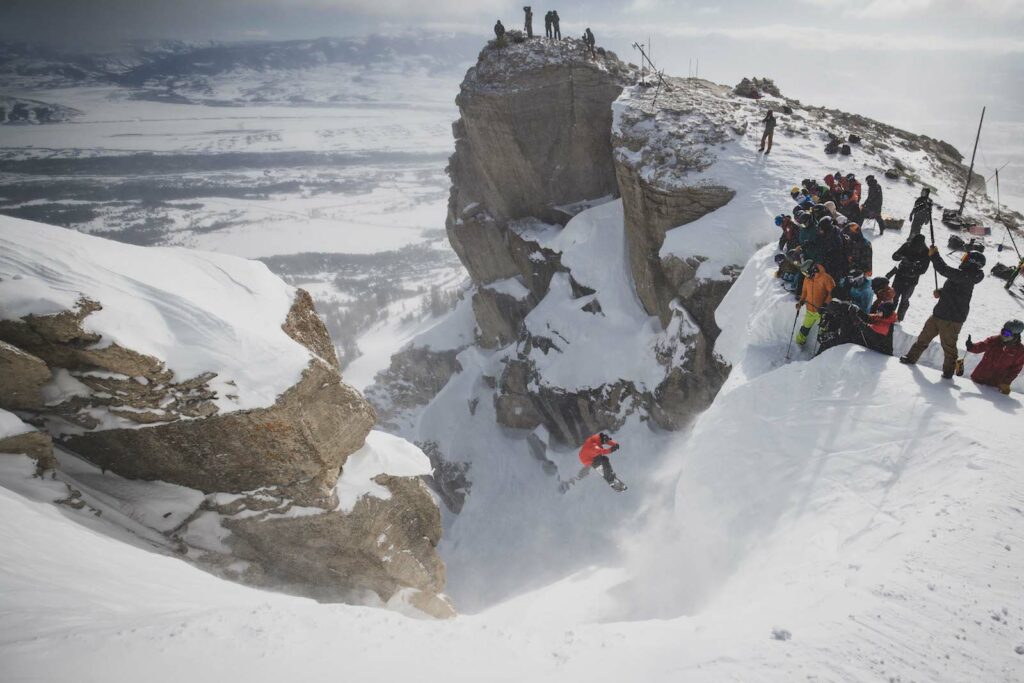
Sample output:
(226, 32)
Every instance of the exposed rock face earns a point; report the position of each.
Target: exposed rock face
(414, 377)
(381, 546)
(299, 443)
(660, 154)
(23, 378)
(534, 131)
(499, 316)
(305, 326)
(36, 445)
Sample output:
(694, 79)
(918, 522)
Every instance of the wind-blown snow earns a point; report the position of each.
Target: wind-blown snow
(198, 312)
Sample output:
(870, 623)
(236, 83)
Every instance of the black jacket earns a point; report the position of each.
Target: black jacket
(913, 262)
(922, 210)
(955, 296)
(874, 200)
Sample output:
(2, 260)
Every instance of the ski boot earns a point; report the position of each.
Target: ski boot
(617, 485)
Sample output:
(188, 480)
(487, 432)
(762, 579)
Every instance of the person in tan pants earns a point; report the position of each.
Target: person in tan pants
(951, 311)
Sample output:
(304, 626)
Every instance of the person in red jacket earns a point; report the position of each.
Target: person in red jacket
(594, 453)
(1003, 359)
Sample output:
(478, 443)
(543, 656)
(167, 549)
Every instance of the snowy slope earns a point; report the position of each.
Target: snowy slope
(883, 536)
(196, 311)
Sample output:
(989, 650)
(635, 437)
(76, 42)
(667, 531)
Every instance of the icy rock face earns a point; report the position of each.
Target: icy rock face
(660, 154)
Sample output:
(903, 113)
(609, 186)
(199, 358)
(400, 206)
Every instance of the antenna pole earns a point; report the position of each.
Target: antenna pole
(970, 171)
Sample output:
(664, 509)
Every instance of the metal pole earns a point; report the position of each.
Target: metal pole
(931, 227)
(970, 171)
(792, 332)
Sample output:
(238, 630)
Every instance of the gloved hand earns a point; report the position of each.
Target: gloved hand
(615, 448)
(933, 250)
(970, 344)
(1005, 388)
(799, 304)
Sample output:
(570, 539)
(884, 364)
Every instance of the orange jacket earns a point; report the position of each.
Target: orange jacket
(593, 447)
(817, 290)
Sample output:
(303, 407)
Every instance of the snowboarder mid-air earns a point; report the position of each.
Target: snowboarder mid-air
(594, 453)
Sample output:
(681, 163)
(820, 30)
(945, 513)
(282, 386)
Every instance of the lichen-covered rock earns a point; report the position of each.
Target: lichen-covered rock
(23, 378)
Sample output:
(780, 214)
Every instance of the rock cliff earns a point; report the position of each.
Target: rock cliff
(541, 143)
(245, 407)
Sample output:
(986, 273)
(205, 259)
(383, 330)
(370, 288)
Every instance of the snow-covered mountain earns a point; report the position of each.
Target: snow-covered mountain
(833, 518)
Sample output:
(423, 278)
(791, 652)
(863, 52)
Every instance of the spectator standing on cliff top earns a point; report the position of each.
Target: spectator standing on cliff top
(528, 24)
(548, 33)
(499, 31)
(554, 25)
(590, 42)
(769, 131)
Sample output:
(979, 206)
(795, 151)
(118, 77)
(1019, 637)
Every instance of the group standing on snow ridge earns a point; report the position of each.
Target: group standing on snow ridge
(826, 261)
(552, 31)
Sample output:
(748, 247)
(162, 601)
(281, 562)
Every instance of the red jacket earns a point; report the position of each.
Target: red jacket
(593, 447)
(1001, 363)
(880, 324)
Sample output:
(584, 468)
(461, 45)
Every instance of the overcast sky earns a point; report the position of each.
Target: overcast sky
(929, 65)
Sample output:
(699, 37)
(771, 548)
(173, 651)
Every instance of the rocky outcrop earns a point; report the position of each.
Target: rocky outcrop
(533, 132)
(35, 444)
(271, 474)
(661, 152)
(299, 444)
(23, 378)
(415, 376)
(129, 385)
(499, 316)
(382, 546)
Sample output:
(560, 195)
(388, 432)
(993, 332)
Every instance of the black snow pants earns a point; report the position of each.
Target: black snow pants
(605, 464)
(904, 290)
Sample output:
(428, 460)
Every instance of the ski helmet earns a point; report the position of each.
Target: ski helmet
(780, 259)
(886, 308)
(809, 268)
(603, 438)
(1014, 327)
(794, 192)
(778, 220)
(792, 254)
(807, 202)
(825, 223)
(853, 227)
(855, 277)
(973, 259)
(850, 176)
(878, 283)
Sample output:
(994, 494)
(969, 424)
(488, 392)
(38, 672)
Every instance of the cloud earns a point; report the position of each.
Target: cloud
(839, 42)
